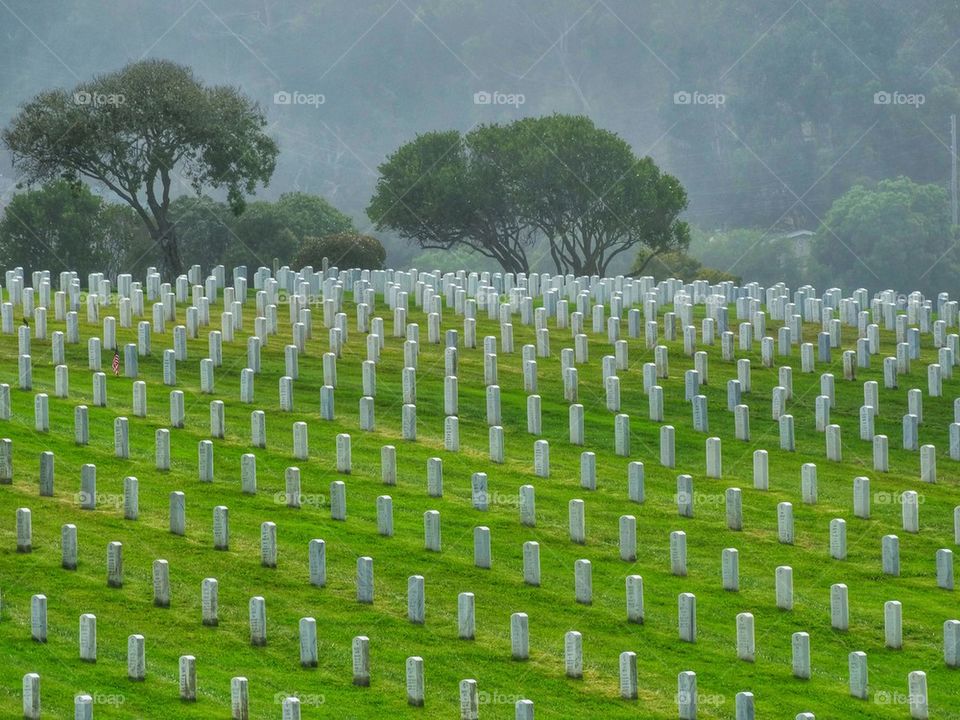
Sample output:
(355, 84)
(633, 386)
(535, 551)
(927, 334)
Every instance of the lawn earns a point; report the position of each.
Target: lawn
(326, 691)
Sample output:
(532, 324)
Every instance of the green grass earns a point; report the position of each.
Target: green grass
(274, 670)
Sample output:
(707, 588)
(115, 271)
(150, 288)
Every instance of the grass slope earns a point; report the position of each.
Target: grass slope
(274, 671)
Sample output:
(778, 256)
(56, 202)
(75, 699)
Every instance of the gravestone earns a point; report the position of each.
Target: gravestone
(687, 617)
(385, 515)
(528, 506)
(248, 476)
(161, 583)
(83, 707)
(131, 498)
(519, 636)
(787, 437)
(761, 472)
(910, 511)
(481, 547)
(188, 678)
(239, 699)
(577, 521)
(178, 506)
(714, 457)
(917, 695)
(344, 454)
(951, 643)
(301, 441)
(583, 581)
(114, 565)
(416, 604)
(388, 465)
(576, 424)
(839, 607)
(573, 654)
(177, 414)
(684, 496)
(808, 483)
(478, 491)
(46, 473)
(636, 490)
(531, 563)
(628, 675)
(687, 695)
(338, 500)
(68, 545)
(31, 696)
(361, 660)
(414, 681)
(466, 616)
(365, 580)
(746, 646)
(162, 449)
(258, 621)
(317, 562)
(784, 587)
(838, 539)
(861, 497)
(678, 553)
(24, 530)
(221, 528)
(258, 429)
(431, 531)
(800, 645)
(38, 618)
(785, 523)
(667, 446)
(308, 642)
(734, 508)
(730, 569)
(88, 487)
(857, 664)
(944, 560)
(628, 538)
(635, 609)
(268, 545)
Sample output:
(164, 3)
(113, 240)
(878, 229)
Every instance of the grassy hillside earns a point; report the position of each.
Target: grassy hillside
(327, 692)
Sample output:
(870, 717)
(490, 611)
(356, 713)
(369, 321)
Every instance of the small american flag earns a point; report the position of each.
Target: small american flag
(116, 362)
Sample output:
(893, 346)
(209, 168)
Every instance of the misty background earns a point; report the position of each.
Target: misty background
(766, 111)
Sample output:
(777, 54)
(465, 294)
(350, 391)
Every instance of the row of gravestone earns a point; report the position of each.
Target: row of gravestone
(519, 641)
(470, 698)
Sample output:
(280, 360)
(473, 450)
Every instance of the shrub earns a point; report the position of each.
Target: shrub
(344, 250)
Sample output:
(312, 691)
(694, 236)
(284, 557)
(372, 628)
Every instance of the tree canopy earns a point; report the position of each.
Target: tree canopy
(558, 182)
(57, 227)
(895, 234)
(343, 250)
(269, 230)
(139, 130)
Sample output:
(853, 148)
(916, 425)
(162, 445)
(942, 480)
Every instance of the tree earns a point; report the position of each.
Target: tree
(591, 197)
(558, 180)
(139, 129)
(56, 227)
(896, 235)
(678, 264)
(276, 230)
(344, 250)
(759, 256)
(445, 191)
(205, 228)
(129, 247)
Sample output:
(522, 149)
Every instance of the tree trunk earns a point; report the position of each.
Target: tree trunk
(171, 264)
